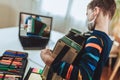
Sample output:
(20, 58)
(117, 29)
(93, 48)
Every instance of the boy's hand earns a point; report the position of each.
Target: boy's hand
(46, 56)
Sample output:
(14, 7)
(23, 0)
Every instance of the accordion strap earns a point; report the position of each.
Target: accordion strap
(57, 59)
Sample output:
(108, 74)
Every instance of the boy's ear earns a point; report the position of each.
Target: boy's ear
(96, 11)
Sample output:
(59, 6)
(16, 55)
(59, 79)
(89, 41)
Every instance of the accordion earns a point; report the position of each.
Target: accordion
(66, 49)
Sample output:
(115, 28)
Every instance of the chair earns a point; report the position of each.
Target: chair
(116, 67)
(114, 54)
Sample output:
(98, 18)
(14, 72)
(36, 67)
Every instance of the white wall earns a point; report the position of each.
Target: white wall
(9, 11)
(4, 12)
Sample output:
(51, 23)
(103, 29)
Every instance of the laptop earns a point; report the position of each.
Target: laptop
(34, 30)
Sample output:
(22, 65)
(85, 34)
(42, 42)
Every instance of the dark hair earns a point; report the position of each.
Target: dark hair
(107, 6)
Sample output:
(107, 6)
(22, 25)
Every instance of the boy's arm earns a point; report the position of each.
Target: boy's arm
(87, 64)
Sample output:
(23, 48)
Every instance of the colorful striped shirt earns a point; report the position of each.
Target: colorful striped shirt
(93, 58)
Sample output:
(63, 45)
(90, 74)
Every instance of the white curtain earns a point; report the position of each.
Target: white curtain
(66, 13)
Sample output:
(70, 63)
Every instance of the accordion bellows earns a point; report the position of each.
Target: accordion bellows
(66, 49)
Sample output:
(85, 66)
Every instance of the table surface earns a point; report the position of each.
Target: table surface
(10, 41)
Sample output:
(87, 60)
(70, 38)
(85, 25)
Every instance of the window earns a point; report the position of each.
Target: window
(78, 10)
(57, 7)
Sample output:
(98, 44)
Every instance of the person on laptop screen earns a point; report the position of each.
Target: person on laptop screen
(34, 26)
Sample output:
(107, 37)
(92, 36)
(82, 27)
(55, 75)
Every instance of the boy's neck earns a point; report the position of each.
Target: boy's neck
(103, 25)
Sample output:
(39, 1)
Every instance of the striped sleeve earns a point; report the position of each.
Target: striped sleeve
(87, 64)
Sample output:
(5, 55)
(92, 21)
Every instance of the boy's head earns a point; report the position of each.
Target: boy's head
(106, 6)
(99, 10)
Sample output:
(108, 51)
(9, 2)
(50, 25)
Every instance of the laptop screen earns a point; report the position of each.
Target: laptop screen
(33, 25)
